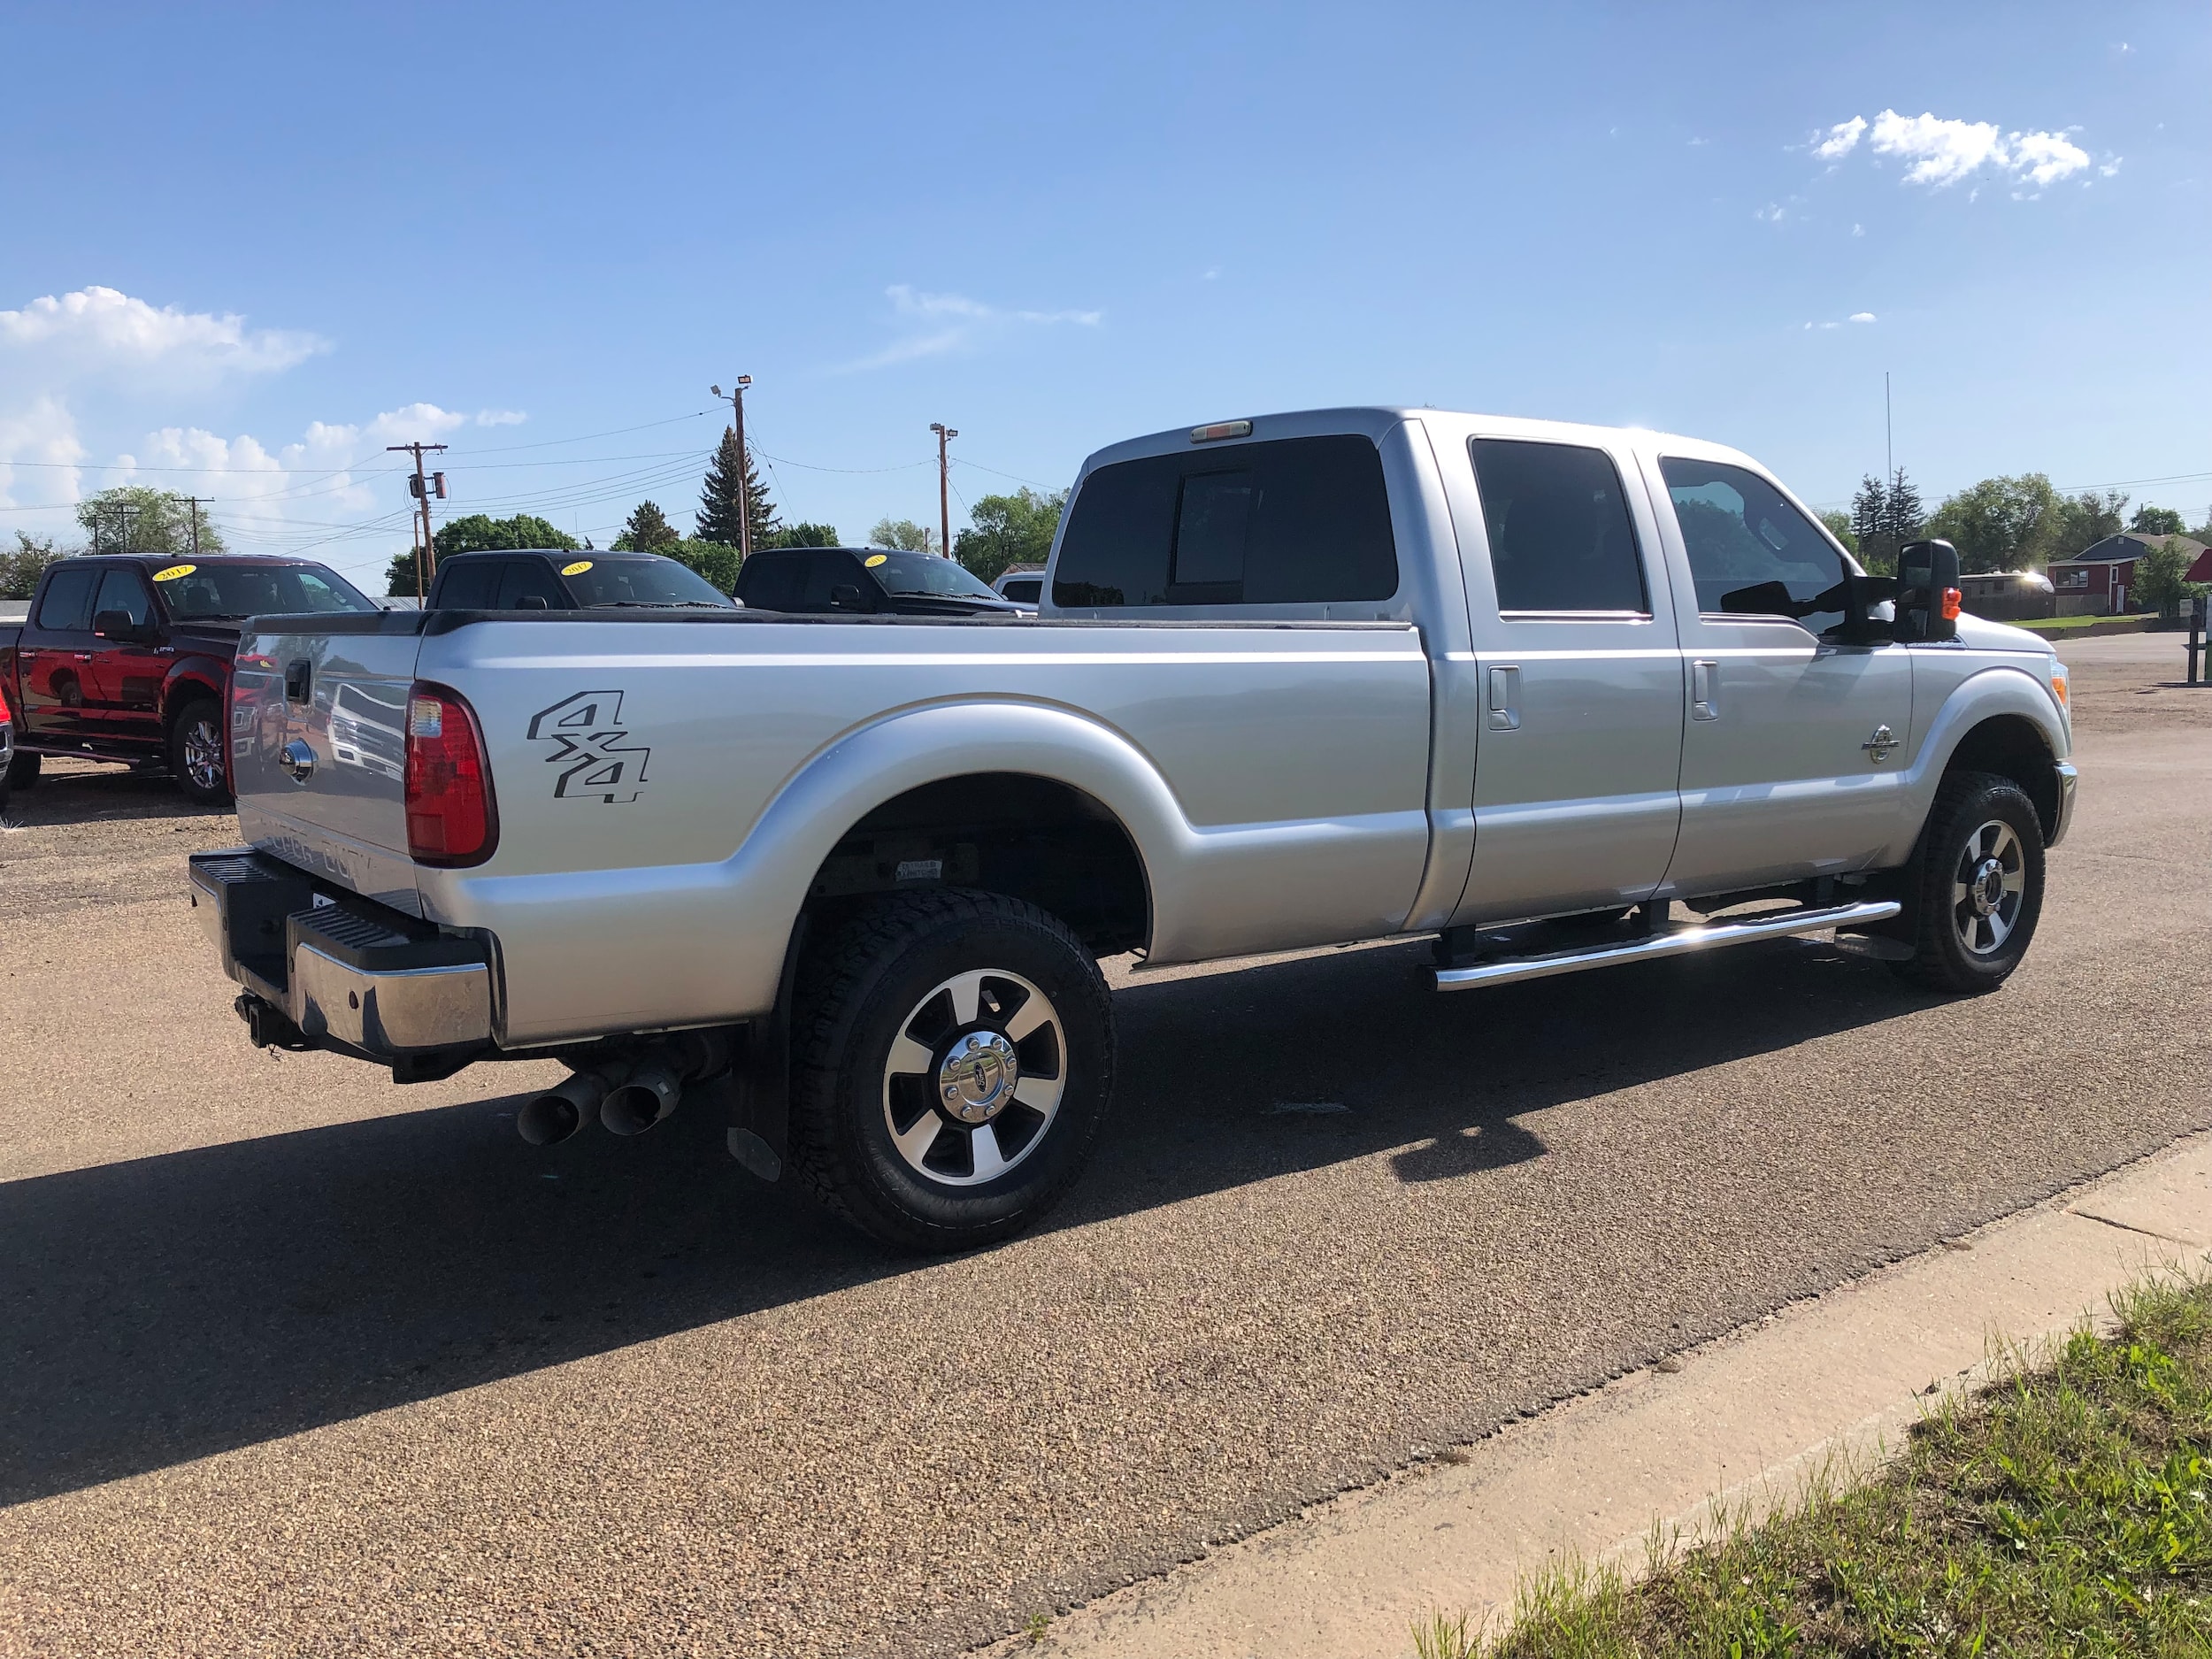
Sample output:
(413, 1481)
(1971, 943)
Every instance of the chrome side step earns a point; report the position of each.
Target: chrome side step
(1678, 942)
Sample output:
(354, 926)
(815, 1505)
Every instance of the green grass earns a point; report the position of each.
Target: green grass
(2064, 1510)
(2068, 624)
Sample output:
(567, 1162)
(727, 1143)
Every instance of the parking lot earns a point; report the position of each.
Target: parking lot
(303, 1363)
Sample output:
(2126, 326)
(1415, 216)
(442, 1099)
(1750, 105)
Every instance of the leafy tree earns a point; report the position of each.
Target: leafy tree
(2203, 532)
(1016, 529)
(905, 534)
(1839, 523)
(399, 576)
(803, 535)
(648, 531)
(2157, 521)
(477, 533)
(2000, 523)
(153, 520)
(712, 560)
(20, 570)
(2084, 520)
(2160, 575)
(1885, 516)
(732, 492)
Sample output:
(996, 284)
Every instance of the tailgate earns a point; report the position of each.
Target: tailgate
(319, 747)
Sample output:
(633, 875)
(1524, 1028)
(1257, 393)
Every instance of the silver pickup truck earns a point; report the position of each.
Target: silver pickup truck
(1559, 696)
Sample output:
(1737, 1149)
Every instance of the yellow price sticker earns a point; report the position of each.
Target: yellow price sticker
(877, 560)
(173, 572)
(577, 569)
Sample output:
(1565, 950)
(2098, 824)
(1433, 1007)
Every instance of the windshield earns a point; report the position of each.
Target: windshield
(925, 574)
(210, 593)
(639, 580)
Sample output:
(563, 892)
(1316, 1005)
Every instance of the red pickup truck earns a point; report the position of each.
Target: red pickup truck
(128, 657)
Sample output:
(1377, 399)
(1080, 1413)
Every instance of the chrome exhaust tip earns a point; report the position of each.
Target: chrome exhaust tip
(641, 1100)
(561, 1111)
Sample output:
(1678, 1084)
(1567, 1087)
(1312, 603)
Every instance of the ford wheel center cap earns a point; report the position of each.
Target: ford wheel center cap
(977, 1077)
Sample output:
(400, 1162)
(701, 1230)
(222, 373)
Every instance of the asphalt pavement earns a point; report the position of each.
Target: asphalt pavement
(302, 1362)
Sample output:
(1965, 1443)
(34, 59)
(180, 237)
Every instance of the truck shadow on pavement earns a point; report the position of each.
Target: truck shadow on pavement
(169, 1307)
(71, 792)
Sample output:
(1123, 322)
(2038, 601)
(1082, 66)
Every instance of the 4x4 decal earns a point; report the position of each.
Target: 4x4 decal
(587, 731)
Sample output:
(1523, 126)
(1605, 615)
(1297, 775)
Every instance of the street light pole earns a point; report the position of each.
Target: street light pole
(945, 434)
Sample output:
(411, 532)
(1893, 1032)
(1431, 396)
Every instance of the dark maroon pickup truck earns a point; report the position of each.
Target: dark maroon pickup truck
(127, 656)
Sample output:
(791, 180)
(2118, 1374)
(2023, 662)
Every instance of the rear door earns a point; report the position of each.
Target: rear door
(55, 658)
(1794, 742)
(1580, 679)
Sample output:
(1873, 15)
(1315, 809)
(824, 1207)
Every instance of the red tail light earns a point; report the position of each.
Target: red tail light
(451, 819)
(4, 716)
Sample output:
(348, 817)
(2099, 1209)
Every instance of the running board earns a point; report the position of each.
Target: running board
(1678, 942)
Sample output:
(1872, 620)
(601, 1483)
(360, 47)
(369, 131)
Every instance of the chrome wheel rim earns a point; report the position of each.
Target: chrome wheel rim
(203, 752)
(974, 1078)
(1987, 887)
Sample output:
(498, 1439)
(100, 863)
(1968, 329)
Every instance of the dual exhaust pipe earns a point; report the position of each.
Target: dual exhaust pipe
(626, 1098)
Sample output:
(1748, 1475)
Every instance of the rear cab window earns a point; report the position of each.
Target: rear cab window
(1290, 521)
(66, 607)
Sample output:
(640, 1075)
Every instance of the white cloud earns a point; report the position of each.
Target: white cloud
(953, 321)
(104, 325)
(45, 436)
(2110, 167)
(1858, 230)
(1940, 151)
(500, 418)
(1772, 214)
(1861, 317)
(1842, 139)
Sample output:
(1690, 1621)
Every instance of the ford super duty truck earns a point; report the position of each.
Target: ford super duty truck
(1559, 696)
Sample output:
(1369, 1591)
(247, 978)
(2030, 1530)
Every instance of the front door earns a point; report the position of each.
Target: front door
(1794, 742)
(1579, 681)
(128, 674)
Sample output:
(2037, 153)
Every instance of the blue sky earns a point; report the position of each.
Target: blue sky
(250, 246)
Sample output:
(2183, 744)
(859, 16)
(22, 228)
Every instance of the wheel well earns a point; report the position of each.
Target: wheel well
(1030, 838)
(2011, 746)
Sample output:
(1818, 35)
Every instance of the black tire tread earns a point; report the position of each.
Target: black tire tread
(171, 753)
(1928, 880)
(832, 983)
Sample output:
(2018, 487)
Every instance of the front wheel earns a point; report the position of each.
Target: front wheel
(196, 753)
(1975, 887)
(953, 1057)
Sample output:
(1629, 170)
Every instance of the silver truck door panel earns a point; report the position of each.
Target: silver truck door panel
(1789, 763)
(1791, 744)
(1578, 681)
(667, 792)
(321, 781)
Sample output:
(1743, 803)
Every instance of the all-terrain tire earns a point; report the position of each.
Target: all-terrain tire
(23, 770)
(1974, 890)
(917, 1007)
(195, 752)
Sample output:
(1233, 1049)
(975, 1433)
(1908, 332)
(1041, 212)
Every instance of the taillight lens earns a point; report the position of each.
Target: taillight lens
(4, 716)
(450, 816)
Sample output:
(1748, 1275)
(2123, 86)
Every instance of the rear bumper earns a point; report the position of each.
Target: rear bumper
(2067, 779)
(347, 974)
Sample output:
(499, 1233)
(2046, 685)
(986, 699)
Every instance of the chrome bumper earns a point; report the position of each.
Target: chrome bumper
(349, 973)
(2068, 778)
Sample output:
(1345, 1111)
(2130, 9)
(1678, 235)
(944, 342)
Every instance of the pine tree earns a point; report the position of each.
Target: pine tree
(648, 531)
(731, 480)
(1885, 516)
(1903, 517)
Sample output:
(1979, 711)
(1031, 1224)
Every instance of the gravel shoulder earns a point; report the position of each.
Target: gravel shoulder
(310, 1365)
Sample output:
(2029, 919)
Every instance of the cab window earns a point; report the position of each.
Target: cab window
(1743, 538)
(1291, 521)
(1559, 530)
(124, 589)
(66, 607)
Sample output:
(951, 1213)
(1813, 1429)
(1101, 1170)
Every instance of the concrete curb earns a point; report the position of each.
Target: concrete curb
(1739, 1422)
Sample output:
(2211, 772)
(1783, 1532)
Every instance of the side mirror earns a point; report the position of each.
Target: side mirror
(532, 601)
(1928, 592)
(846, 596)
(118, 625)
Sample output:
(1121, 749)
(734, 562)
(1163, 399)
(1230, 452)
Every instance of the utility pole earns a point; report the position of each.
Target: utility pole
(945, 434)
(194, 500)
(744, 466)
(420, 487)
(1889, 437)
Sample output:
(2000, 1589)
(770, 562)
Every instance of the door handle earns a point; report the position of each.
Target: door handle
(84, 657)
(1704, 684)
(1505, 699)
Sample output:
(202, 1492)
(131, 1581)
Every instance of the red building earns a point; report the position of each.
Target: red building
(2096, 581)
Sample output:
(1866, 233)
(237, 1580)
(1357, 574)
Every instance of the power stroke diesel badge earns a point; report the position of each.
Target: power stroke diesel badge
(586, 731)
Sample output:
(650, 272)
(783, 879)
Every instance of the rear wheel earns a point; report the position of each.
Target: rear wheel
(953, 1058)
(1975, 887)
(22, 771)
(195, 752)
